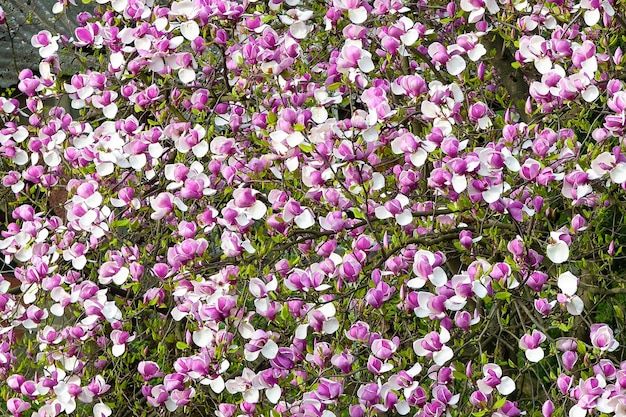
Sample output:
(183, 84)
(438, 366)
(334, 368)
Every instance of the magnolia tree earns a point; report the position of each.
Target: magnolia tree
(318, 208)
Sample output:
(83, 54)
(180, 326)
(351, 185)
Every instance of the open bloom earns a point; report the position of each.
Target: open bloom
(529, 343)
(602, 337)
(493, 379)
(433, 345)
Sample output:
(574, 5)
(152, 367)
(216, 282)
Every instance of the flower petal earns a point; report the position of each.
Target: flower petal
(506, 386)
(558, 252)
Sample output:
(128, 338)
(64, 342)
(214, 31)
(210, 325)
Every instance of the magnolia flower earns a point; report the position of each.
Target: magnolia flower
(433, 345)
(529, 343)
(476, 8)
(323, 319)
(602, 337)
(395, 208)
(244, 385)
(493, 379)
(557, 250)
(46, 43)
(568, 284)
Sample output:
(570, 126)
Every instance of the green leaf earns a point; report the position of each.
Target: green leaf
(503, 295)
(182, 345)
(499, 403)
(335, 86)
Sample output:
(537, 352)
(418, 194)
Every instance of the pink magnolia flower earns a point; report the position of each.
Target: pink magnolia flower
(244, 384)
(529, 343)
(493, 379)
(433, 346)
(46, 43)
(17, 406)
(602, 338)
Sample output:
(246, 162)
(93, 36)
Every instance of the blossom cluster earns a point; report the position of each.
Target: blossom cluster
(317, 208)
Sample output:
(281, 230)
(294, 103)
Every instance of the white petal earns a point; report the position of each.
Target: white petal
(258, 210)
(200, 149)
(358, 16)
(217, 385)
(543, 65)
(104, 169)
(87, 220)
(203, 337)
(319, 114)
(404, 218)
(137, 162)
(591, 93)
(430, 109)
(273, 394)
(366, 64)
(444, 335)
(456, 65)
(534, 355)
(618, 174)
(459, 183)
(245, 329)
(270, 350)
(251, 396)
(117, 60)
(155, 150)
(292, 163)
(507, 386)
(121, 276)
(576, 306)
(591, 18)
(186, 75)
(110, 111)
(378, 181)
(330, 326)
(301, 331)
(476, 53)
(190, 29)
(118, 350)
(410, 37)
(418, 158)
(382, 213)
(178, 315)
(305, 220)
(21, 157)
(52, 159)
(299, 30)
(443, 356)
(438, 277)
(568, 283)
(328, 310)
(416, 283)
(492, 194)
(250, 356)
(370, 134)
(512, 164)
(57, 310)
(418, 349)
(577, 411)
(479, 289)
(558, 252)
(94, 200)
(79, 263)
(402, 407)
(295, 139)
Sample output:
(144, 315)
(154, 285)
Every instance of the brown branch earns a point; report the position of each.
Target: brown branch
(512, 79)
